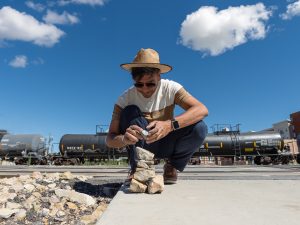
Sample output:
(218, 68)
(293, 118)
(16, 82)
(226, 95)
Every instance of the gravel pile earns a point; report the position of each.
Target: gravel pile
(54, 198)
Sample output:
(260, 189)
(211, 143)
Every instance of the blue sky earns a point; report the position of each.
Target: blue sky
(59, 60)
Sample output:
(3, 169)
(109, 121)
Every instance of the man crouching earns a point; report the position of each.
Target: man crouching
(149, 106)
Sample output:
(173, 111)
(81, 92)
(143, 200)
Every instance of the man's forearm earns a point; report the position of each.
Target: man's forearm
(115, 141)
(191, 116)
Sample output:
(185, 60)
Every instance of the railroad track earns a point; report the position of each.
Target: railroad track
(201, 172)
(76, 170)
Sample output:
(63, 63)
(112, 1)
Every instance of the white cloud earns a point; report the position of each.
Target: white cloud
(214, 32)
(36, 6)
(20, 26)
(65, 18)
(82, 2)
(20, 61)
(292, 10)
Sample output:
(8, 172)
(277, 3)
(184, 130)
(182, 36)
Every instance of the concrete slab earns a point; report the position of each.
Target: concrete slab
(210, 202)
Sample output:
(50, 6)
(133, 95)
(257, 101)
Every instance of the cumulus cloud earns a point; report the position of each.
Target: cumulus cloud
(82, 2)
(36, 6)
(20, 26)
(65, 18)
(20, 61)
(292, 10)
(213, 32)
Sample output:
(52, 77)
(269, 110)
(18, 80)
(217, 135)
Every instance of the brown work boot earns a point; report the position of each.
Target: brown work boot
(170, 174)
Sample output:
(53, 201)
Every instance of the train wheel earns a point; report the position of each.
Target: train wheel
(43, 162)
(19, 162)
(285, 160)
(267, 160)
(73, 162)
(195, 161)
(57, 162)
(257, 160)
(298, 159)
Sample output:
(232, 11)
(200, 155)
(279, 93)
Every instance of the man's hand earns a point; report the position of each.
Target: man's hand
(158, 130)
(132, 135)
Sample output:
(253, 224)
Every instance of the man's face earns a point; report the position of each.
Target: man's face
(147, 84)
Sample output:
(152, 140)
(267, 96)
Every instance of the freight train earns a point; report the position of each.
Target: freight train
(264, 147)
(75, 148)
(23, 147)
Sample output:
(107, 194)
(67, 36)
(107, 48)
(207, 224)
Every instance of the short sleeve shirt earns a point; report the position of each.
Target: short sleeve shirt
(160, 106)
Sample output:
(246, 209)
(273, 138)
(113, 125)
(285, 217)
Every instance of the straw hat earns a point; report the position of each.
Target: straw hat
(147, 58)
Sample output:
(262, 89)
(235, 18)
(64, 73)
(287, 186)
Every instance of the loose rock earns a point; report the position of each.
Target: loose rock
(76, 196)
(52, 199)
(6, 213)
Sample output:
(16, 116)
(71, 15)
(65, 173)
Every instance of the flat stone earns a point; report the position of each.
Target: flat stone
(148, 162)
(60, 213)
(29, 187)
(91, 219)
(76, 196)
(142, 164)
(71, 205)
(10, 181)
(37, 195)
(36, 175)
(156, 185)
(54, 199)
(51, 186)
(41, 188)
(36, 206)
(88, 219)
(12, 205)
(24, 178)
(5, 196)
(137, 187)
(144, 154)
(144, 175)
(21, 214)
(45, 212)
(28, 204)
(67, 175)
(141, 169)
(6, 213)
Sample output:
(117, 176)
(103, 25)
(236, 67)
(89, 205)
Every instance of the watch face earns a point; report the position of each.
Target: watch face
(175, 124)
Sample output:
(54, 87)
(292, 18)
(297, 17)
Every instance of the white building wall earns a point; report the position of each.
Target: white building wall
(284, 128)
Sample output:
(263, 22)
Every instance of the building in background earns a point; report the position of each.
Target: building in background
(284, 128)
(295, 121)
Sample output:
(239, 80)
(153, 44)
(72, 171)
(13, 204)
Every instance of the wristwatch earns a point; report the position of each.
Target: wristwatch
(175, 124)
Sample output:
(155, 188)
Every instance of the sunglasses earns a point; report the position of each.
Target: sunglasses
(149, 85)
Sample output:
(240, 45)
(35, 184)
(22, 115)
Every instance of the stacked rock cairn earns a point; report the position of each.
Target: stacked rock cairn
(144, 179)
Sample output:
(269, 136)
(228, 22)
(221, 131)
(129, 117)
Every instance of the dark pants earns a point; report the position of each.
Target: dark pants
(178, 146)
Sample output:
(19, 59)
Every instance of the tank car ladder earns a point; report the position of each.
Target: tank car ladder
(236, 144)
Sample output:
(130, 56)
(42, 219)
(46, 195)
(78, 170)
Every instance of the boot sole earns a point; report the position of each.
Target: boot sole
(170, 181)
